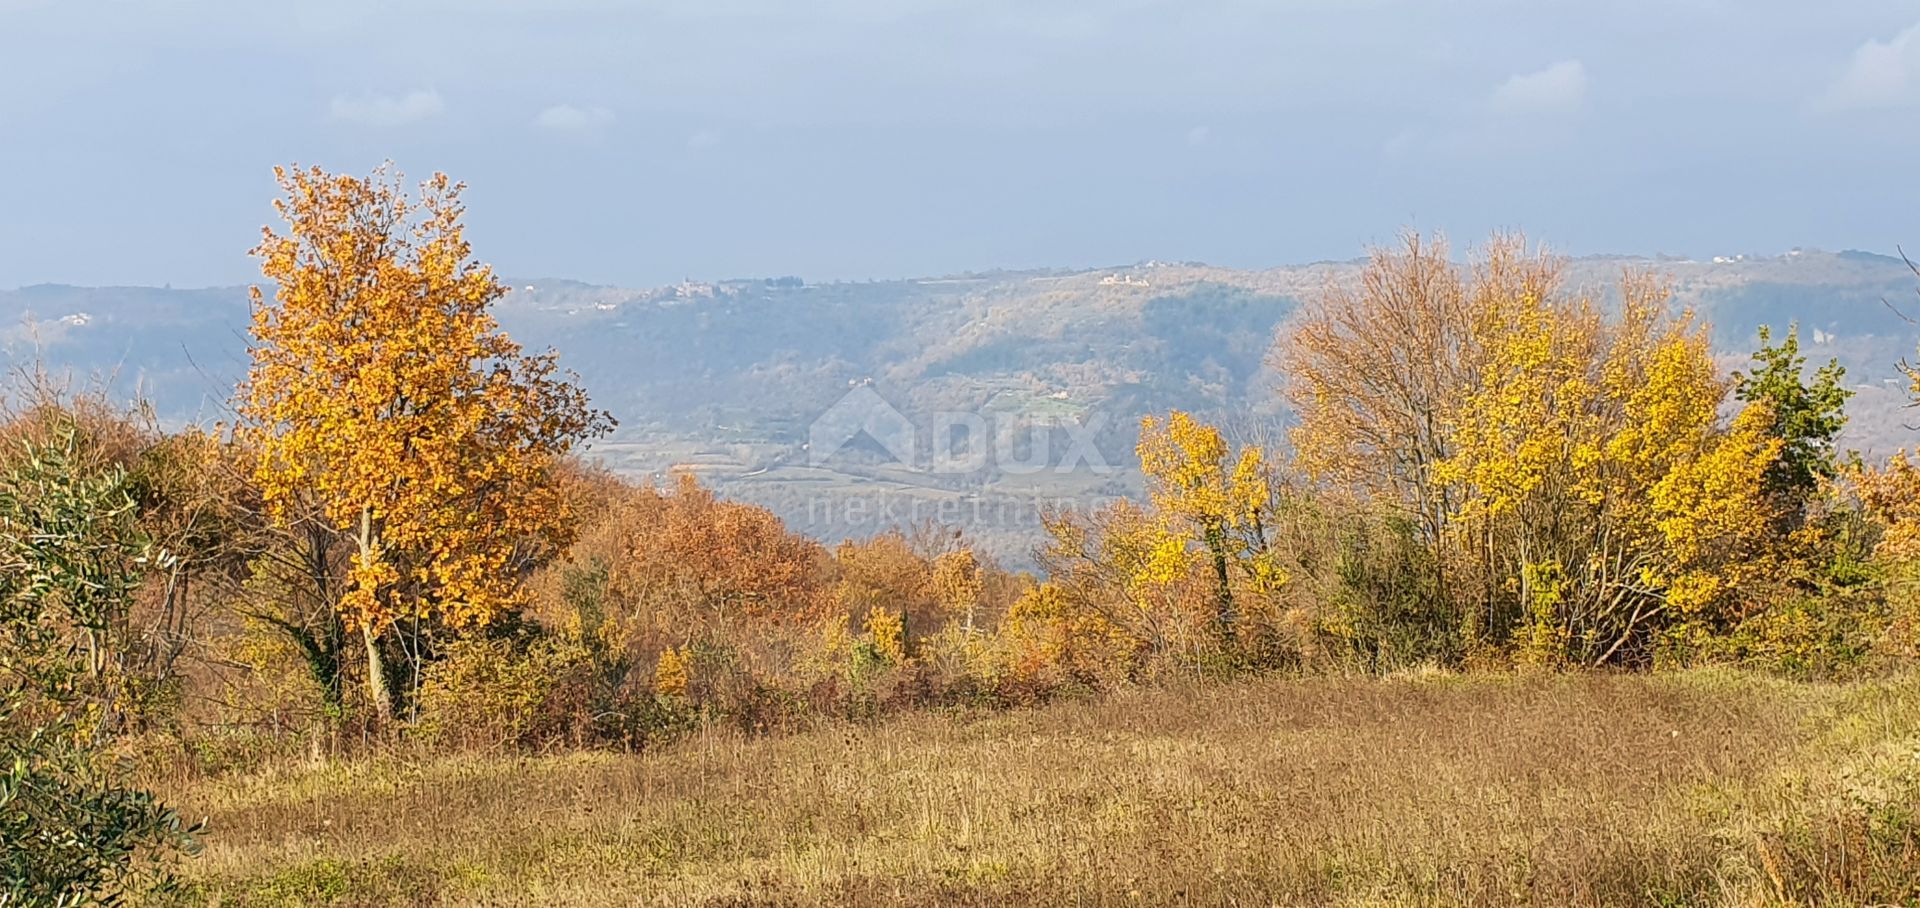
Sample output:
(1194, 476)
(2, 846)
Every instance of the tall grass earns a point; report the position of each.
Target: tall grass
(1699, 788)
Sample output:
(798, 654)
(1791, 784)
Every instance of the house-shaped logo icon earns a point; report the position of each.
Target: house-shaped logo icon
(862, 412)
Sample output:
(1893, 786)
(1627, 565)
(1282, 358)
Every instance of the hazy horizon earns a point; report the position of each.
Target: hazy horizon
(1462, 248)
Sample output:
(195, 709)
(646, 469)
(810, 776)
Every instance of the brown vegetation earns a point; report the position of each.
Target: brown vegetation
(1697, 789)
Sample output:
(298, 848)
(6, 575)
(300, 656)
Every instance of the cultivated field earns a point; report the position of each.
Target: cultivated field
(1549, 790)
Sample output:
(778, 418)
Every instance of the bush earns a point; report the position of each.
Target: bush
(1054, 640)
(71, 828)
(1809, 637)
(1381, 610)
(485, 693)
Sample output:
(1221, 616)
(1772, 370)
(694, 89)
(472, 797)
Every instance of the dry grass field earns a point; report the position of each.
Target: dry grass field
(1687, 789)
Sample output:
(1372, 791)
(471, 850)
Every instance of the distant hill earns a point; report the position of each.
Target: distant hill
(998, 377)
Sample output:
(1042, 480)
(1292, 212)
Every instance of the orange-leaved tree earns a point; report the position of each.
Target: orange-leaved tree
(1374, 372)
(384, 394)
(697, 562)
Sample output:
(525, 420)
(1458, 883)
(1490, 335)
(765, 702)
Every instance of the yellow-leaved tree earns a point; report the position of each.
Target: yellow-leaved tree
(1600, 496)
(384, 395)
(959, 582)
(1580, 493)
(1202, 491)
(1891, 494)
(1120, 565)
(1180, 577)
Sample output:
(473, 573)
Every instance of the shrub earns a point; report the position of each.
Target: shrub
(1379, 611)
(1814, 636)
(670, 674)
(529, 694)
(1052, 638)
(71, 828)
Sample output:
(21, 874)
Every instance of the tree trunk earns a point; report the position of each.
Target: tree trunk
(1217, 544)
(377, 686)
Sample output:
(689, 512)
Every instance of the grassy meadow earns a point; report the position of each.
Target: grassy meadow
(1701, 788)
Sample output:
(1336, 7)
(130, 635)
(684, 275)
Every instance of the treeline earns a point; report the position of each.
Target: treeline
(1488, 471)
(396, 543)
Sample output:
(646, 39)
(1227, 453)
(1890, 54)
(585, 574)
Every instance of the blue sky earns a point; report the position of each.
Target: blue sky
(639, 143)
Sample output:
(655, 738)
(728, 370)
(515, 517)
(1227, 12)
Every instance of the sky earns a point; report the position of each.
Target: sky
(640, 143)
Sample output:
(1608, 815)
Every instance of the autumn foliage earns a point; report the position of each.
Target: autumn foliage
(383, 395)
(1492, 468)
(1570, 472)
(1486, 468)
(698, 559)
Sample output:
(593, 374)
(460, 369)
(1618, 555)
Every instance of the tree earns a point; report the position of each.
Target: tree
(1805, 417)
(1891, 495)
(1049, 631)
(1197, 494)
(885, 571)
(295, 578)
(139, 648)
(1600, 497)
(696, 560)
(1121, 565)
(1569, 473)
(1912, 372)
(71, 829)
(1373, 373)
(384, 398)
(960, 582)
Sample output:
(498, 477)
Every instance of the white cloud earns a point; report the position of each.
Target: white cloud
(568, 118)
(385, 110)
(702, 140)
(1559, 88)
(1199, 135)
(1881, 74)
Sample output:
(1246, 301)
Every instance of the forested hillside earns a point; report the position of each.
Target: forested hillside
(725, 378)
